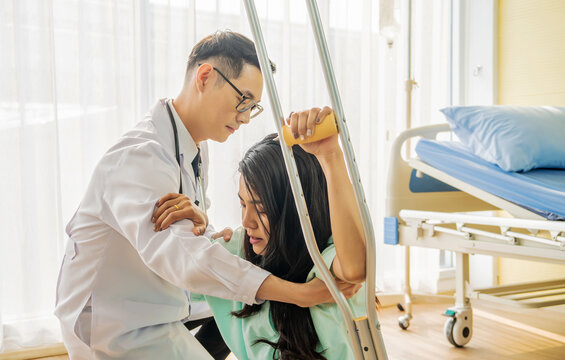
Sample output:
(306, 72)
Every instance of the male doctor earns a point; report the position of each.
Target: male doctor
(122, 290)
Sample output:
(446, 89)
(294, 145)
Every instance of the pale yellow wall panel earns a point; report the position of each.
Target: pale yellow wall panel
(517, 271)
(531, 72)
(539, 99)
(532, 51)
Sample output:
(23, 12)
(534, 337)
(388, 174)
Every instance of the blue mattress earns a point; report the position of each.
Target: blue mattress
(541, 190)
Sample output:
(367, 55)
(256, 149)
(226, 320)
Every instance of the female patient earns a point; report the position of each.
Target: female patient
(271, 237)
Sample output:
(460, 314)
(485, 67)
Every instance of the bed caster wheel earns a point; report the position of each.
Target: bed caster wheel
(404, 322)
(459, 327)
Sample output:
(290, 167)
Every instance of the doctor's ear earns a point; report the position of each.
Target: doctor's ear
(204, 76)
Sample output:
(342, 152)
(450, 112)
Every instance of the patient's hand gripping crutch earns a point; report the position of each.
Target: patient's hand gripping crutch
(364, 333)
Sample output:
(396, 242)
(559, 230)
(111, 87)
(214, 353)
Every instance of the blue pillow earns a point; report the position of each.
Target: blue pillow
(516, 138)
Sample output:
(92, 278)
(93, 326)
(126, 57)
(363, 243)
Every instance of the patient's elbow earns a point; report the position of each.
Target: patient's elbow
(355, 275)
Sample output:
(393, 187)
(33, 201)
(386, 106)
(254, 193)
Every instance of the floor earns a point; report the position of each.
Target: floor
(498, 333)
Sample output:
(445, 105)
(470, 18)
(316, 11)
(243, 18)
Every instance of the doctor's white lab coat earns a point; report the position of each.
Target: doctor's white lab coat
(121, 289)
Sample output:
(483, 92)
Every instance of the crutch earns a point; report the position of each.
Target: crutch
(365, 332)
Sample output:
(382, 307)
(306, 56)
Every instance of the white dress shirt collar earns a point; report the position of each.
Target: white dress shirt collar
(187, 146)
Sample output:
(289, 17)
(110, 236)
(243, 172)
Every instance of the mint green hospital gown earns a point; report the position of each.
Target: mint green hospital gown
(241, 334)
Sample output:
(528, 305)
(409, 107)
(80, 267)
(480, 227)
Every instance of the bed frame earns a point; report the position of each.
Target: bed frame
(428, 208)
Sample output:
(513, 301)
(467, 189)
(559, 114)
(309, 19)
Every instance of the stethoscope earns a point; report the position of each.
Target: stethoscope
(177, 155)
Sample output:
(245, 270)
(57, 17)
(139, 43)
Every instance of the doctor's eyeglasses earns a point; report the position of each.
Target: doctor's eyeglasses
(246, 103)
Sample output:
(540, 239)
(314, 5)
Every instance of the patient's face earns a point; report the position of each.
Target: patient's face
(253, 218)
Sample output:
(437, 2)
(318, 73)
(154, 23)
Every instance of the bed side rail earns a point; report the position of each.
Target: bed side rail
(487, 234)
(399, 194)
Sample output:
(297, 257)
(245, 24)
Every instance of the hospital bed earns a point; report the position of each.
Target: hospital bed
(447, 198)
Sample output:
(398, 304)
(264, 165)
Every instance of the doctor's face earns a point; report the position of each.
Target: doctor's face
(253, 218)
(225, 119)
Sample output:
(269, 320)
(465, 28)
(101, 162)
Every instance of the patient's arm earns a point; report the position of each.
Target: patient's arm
(347, 229)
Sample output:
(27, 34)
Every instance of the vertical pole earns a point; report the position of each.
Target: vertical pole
(331, 82)
(462, 280)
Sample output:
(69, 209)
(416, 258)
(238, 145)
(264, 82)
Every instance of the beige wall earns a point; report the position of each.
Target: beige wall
(531, 72)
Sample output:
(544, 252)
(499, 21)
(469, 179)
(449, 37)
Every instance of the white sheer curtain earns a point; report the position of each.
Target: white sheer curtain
(77, 74)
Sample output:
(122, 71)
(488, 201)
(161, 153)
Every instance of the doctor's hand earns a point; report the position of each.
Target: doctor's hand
(174, 207)
(226, 234)
(319, 293)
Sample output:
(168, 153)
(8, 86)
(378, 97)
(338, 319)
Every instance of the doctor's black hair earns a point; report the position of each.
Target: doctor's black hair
(285, 254)
(230, 49)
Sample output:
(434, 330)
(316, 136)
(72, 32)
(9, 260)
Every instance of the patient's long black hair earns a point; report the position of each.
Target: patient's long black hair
(285, 254)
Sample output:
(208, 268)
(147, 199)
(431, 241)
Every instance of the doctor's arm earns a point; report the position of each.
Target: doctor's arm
(130, 183)
(273, 288)
(307, 294)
